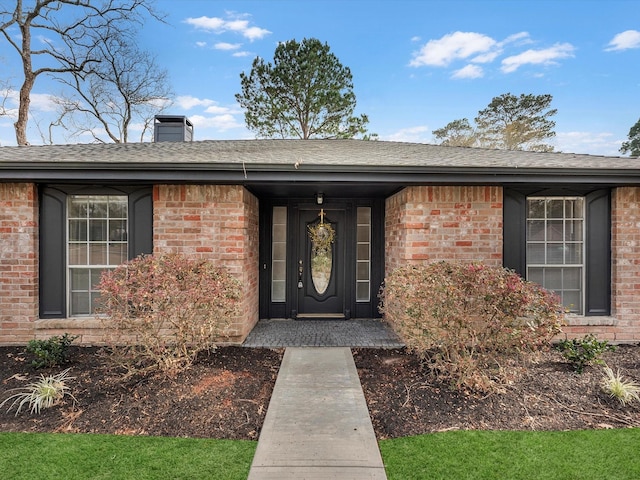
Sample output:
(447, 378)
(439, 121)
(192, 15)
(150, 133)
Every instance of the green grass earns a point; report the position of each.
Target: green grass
(71, 456)
(584, 455)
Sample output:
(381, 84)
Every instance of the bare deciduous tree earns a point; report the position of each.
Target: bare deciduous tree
(72, 31)
(126, 89)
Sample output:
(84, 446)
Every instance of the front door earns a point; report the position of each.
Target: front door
(321, 266)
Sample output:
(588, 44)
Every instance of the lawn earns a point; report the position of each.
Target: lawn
(85, 456)
(584, 455)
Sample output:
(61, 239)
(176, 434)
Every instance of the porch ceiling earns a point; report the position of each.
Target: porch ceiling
(329, 190)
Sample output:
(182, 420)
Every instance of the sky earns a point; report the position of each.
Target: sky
(416, 65)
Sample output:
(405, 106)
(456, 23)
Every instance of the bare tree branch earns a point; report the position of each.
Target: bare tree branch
(74, 41)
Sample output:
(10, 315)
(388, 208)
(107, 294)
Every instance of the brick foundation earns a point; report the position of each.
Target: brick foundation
(18, 262)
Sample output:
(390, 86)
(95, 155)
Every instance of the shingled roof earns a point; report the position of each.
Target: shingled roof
(246, 161)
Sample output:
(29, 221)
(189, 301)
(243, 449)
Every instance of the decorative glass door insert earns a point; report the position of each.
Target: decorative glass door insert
(322, 236)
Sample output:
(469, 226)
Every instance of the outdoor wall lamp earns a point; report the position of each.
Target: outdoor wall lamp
(319, 198)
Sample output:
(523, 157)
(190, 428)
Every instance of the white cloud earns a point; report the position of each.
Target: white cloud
(547, 56)
(221, 25)
(419, 134)
(201, 44)
(218, 122)
(43, 102)
(218, 110)
(187, 102)
(241, 54)
(625, 40)
(593, 143)
(454, 46)
(470, 71)
(227, 46)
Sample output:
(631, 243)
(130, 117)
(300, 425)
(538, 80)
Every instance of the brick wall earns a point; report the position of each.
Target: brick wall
(624, 323)
(218, 222)
(425, 224)
(18, 262)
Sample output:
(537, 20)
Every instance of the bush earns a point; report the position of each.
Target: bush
(51, 352)
(161, 311)
(584, 351)
(462, 319)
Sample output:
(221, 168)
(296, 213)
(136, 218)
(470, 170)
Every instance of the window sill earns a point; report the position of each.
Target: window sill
(68, 323)
(581, 320)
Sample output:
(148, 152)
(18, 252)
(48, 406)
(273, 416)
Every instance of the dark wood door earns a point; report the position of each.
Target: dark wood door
(321, 265)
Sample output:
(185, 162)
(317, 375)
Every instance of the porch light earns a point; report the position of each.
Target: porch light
(319, 198)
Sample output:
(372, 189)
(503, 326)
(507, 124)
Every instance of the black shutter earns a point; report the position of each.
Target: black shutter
(514, 230)
(52, 254)
(598, 253)
(141, 222)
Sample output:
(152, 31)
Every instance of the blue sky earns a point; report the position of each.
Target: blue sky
(416, 65)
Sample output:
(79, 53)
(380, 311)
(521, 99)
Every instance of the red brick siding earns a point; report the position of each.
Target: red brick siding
(624, 324)
(427, 224)
(218, 222)
(18, 262)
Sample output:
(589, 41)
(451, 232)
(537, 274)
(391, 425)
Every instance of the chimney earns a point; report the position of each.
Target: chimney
(172, 128)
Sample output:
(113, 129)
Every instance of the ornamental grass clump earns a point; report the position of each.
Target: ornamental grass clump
(161, 311)
(44, 393)
(466, 320)
(616, 386)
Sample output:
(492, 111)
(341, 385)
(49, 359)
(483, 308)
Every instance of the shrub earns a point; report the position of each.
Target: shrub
(45, 393)
(461, 319)
(161, 311)
(584, 351)
(618, 387)
(51, 352)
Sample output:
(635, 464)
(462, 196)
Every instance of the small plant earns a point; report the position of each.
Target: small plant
(618, 387)
(45, 393)
(584, 351)
(51, 352)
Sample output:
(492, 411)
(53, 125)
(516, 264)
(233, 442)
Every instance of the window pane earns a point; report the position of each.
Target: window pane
(364, 233)
(572, 278)
(555, 208)
(363, 251)
(535, 253)
(573, 208)
(118, 230)
(78, 254)
(80, 303)
(97, 230)
(573, 230)
(79, 279)
(553, 278)
(362, 271)
(77, 207)
(77, 230)
(117, 253)
(535, 230)
(536, 208)
(98, 207)
(536, 275)
(573, 253)
(117, 209)
(364, 215)
(555, 231)
(555, 253)
(362, 292)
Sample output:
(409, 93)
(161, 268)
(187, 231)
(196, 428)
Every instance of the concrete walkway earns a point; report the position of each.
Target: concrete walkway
(317, 425)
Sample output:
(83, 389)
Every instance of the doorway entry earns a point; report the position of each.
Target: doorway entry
(321, 261)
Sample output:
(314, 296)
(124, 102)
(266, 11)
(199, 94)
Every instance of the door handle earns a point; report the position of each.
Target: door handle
(300, 271)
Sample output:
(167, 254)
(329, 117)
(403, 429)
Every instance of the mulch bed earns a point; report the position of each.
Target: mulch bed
(226, 395)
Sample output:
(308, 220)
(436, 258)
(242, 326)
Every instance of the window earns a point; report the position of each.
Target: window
(363, 258)
(83, 231)
(555, 247)
(279, 255)
(96, 241)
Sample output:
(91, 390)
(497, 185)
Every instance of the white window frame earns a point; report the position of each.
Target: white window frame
(579, 309)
